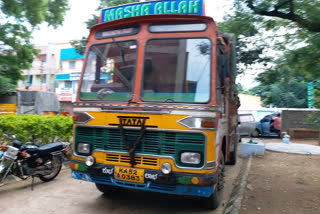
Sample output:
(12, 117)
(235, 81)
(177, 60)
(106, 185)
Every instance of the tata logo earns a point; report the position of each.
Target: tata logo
(133, 122)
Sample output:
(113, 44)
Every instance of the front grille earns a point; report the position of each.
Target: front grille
(163, 143)
(140, 160)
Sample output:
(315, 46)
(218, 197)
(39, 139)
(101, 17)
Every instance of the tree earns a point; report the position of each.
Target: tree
(18, 20)
(282, 89)
(79, 45)
(302, 12)
(5, 85)
(287, 33)
(251, 45)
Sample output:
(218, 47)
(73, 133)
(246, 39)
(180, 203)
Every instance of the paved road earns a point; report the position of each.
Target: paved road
(65, 195)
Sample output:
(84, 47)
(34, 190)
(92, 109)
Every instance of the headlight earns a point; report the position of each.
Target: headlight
(190, 158)
(166, 168)
(90, 160)
(83, 148)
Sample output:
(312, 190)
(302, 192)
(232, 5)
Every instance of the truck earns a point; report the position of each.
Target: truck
(156, 108)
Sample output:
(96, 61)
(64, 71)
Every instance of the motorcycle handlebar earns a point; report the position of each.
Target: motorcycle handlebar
(9, 135)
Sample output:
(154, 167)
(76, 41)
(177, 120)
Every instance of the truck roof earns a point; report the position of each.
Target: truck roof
(175, 18)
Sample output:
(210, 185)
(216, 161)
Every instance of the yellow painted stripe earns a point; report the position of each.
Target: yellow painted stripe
(78, 158)
(101, 158)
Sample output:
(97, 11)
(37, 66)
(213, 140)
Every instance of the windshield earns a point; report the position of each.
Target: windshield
(177, 70)
(110, 71)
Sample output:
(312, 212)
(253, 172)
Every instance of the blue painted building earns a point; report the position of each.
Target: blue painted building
(66, 83)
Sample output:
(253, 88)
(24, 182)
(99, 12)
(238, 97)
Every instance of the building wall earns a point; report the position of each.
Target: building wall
(66, 65)
(65, 69)
(297, 119)
(39, 70)
(67, 82)
(249, 101)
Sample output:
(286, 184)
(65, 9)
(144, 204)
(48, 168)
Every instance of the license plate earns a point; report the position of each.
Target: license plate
(129, 174)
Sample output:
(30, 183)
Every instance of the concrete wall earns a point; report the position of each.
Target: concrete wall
(296, 119)
(8, 99)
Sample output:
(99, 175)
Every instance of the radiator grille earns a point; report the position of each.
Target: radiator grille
(140, 160)
(153, 142)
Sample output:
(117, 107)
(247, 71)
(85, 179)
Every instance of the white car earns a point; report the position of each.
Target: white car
(247, 124)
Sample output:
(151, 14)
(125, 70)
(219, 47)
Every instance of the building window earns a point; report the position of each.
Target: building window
(43, 79)
(68, 84)
(30, 80)
(72, 64)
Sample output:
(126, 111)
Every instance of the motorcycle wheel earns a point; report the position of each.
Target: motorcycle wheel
(56, 164)
(2, 173)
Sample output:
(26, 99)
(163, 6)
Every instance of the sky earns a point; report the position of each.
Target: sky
(74, 27)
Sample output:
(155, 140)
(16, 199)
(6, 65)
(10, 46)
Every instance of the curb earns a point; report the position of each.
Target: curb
(234, 203)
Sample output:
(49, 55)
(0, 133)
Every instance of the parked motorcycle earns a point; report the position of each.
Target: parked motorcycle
(31, 160)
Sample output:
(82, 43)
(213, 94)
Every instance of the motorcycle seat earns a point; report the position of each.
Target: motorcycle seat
(48, 148)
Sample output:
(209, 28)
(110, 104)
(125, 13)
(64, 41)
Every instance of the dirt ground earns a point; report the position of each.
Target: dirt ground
(283, 183)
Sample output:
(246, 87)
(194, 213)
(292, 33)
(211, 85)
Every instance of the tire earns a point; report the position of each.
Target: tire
(3, 172)
(214, 200)
(255, 133)
(106, 189)
(56, 164)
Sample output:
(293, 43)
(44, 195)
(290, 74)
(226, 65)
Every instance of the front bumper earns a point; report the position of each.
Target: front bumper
(154, 180)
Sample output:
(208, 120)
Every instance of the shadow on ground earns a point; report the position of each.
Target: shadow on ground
(141, 200)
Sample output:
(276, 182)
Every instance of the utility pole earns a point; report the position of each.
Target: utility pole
(48, 67)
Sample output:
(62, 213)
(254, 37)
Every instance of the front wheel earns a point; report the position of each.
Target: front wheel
(56, 164)
(3, 172)
(5, 169)
(214, 200)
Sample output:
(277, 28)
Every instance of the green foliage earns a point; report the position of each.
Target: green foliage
(314, 119)
(80, 45)
(250, 45)
(111, 3)
(282, 89)
(283, 35)
(38, 129)
(6, 85)
(304, 13)
(242, 90)
(18, 19)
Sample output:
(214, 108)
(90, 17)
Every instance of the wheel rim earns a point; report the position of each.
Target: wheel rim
(56, 165)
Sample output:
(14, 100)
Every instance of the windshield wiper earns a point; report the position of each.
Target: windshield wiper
(169, 101)
(102, 92)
